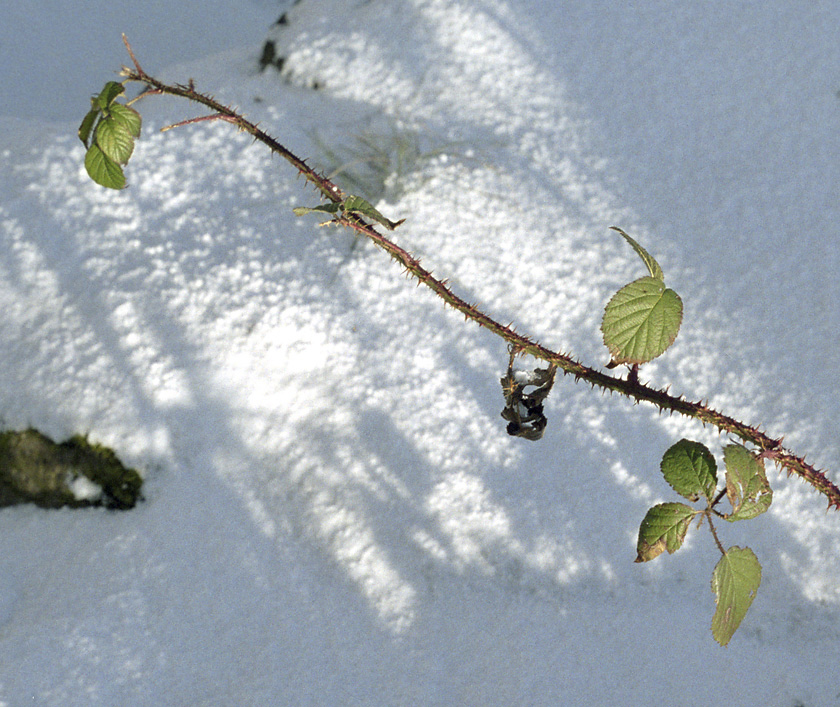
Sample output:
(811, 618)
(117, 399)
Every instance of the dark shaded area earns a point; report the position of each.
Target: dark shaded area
(35, 469)
(270, 56)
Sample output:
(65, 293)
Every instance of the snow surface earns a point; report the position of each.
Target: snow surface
(333, 514)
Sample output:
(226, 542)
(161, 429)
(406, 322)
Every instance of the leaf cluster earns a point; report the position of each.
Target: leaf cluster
(108, 132)
(691, 470)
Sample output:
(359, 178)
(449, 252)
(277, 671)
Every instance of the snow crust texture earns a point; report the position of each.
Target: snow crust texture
(334, 513)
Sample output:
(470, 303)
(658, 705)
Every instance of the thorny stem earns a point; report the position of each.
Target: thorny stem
(768, 447)
(227, 114)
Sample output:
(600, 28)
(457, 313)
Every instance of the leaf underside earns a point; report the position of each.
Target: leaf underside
(87, 126)
(114, 140)
(126, 118)
(103, 170)
(735, 581)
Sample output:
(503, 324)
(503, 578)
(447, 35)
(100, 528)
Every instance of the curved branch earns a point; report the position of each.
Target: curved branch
(630, 387)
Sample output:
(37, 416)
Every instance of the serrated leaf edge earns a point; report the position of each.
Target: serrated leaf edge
(709, 459)
(620, 355)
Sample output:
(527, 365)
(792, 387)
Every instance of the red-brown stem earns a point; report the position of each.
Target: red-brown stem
(324, 185)
(768, 447)
(630, 387)
(714, 533)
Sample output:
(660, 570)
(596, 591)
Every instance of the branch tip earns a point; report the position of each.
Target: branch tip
(131, 54)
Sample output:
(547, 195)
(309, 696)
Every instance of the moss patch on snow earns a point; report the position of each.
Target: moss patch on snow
(74, 473)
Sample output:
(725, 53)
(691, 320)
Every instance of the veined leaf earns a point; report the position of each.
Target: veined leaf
(103, 170)
(641, 321)
(735, 582)
(362, 207)
(114, 140)
(108, 94)
(663, 528)
(126, 118)
(690, 469)
(747, 487)
(652, 266)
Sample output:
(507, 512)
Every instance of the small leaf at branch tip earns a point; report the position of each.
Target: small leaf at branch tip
(651, 264)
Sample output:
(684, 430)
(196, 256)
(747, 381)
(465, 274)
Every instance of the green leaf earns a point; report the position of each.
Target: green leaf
(109, 93)
(747, 487)
(87, 125)
(127, 118)
(663, 528)
(358, 205)
(114, 140)
(690, 469)
(641, 321)
(103, 170)
(735, 582)
(652, 266)
(330, 208)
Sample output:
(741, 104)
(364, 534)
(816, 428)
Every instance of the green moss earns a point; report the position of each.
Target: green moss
(74, 473)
